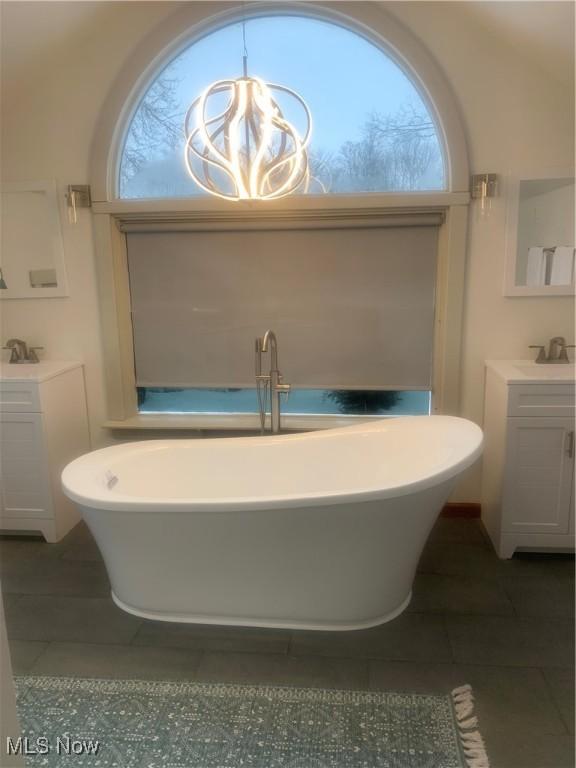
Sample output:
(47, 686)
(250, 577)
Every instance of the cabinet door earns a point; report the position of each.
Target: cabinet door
(24, 481)
(539, 471)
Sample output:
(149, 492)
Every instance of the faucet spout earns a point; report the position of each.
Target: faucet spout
(557, 344)
(269, 340)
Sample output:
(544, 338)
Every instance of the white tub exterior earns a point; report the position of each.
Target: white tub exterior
(320, 530)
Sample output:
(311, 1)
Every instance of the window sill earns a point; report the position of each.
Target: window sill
(233, 421)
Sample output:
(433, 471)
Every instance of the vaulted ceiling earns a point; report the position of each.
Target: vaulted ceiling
(541, 31)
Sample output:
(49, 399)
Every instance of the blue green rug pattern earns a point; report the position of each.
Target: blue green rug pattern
(137, 724)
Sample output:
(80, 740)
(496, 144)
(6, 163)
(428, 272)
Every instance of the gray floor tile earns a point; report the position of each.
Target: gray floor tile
(561, 685)
(116, 661)
(511, 641)
(76, 619)
(272, 669)
(564, 567)
(23, 654)
(54, 576)
(233, 639)
(459, 559)
(525, 749)
(405, 676)
(505, 697)
(411, 637)
(550, 599)
(85, 552)
(536, 568)
(512, 704)
(439, 593)
(82, 547)
(459, 531)
(10, 549)
(9, 600)
(23, 547)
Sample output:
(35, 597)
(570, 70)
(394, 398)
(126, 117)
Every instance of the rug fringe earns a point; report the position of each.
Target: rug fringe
(472, 742)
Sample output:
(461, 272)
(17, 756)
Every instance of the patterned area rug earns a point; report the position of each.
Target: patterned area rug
(135, 724)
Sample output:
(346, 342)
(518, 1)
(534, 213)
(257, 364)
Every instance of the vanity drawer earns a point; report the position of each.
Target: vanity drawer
(19, 397)
(541, 400)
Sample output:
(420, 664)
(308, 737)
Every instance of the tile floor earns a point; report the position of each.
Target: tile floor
(505, 627)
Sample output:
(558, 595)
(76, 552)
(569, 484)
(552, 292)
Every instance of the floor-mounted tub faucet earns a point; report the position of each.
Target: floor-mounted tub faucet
(269, 383)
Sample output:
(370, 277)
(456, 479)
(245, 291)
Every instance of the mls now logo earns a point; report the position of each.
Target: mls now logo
(64, 745)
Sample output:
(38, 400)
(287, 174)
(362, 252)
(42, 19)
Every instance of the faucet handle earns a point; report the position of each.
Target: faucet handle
(541, 357)
(564, 354)
(14, 358)
(284, 389)
(32, 356)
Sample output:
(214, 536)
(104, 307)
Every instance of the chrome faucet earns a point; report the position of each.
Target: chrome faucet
(556, 351)
(20, 352)
(270, 383)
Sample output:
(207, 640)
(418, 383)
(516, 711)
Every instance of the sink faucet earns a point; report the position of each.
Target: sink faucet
(20, 352)
(272, 381)
(556, 351)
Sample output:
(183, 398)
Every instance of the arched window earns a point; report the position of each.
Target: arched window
(188, 282)
(372, 129)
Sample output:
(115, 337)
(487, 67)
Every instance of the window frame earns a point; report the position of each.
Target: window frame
(112, 214)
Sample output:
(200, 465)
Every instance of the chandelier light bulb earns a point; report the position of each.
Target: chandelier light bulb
(248, 150)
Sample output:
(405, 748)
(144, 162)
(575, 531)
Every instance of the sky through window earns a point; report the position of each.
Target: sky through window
(372, 132)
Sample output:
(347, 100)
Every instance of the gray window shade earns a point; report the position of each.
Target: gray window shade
(352, 308)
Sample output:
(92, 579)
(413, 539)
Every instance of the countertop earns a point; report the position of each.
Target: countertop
(529, 372)
(42, 371)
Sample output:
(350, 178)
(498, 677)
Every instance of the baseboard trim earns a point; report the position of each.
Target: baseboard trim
(468, 509)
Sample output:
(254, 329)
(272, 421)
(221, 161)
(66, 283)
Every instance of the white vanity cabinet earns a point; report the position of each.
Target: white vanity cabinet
(528, 467)
(43, 426)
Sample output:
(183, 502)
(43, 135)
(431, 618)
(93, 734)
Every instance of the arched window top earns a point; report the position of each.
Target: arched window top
(372, 129)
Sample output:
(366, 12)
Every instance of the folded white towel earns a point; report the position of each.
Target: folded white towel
(535, 266)
(562, 265)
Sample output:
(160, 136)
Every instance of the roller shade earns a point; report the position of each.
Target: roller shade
(352, 308)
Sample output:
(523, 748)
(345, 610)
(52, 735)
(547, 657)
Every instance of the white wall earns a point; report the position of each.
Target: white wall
(518, 114)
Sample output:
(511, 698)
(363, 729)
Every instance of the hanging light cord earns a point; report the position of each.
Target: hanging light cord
(245, 51)
(245, 68)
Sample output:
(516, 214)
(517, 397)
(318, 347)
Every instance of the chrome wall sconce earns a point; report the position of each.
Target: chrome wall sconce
(485, 187)
(77, 196)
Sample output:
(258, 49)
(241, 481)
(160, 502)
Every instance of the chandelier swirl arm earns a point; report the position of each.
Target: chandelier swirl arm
(206, 161)
(250, 142)
(207, 139)
(296, 161)
(268, 109)
(237, 107)
(304, 106)
(272, 111)
(206, 183)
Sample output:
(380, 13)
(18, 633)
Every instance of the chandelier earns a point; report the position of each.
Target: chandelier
(239, 144)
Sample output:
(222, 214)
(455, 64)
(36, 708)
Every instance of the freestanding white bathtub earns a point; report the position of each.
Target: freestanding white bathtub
(320, 530)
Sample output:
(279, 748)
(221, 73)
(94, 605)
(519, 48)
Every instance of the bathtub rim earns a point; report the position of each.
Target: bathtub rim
(82, 472)
(231, 621)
